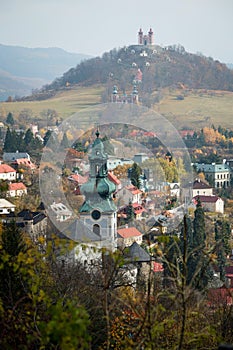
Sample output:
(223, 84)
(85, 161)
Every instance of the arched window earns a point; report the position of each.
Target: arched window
(96, 229)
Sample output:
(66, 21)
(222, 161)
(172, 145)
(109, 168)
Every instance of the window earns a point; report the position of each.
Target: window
(96, 229)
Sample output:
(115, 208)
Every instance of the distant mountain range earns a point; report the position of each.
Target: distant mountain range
(23, 69)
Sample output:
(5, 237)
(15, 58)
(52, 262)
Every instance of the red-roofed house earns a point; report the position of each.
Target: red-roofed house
(7, 172)
(127, 236)
(78, 181)
(211, 203)
(129, 193)
(16, 189)
(24, 162)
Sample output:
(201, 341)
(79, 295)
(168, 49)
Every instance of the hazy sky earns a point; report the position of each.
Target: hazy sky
(93, 27)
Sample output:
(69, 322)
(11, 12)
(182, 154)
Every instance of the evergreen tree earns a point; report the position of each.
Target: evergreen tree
(47, 137)
(130, 212)
(200, 261)
(28, 137)
(7, 142)
(134, 174)
(10, 119)
(222, 237)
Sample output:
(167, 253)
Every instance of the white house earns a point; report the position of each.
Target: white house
(211, 203)
(16, 189)
(127, 236)
(6, 207)
(218, 174)
(60, 212)
(128, 194)
(198, 188)
(7, 172)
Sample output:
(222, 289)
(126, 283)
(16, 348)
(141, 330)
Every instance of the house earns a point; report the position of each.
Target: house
(137, 210)
(198, 188)
(23, 162)
(12, 156)
(77, 180)
(127, 236)
(140, 157)
(113, 162)
(211, 203)
(217, 174)
(6, 207)
(7, 172)
(174, 188)
(34, 223)
(60, 212)
(129, 194)
(16, 189)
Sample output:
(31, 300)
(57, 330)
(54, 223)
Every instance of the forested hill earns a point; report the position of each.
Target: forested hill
(160, 67)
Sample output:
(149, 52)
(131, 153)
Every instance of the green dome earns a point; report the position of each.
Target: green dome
(105, 187)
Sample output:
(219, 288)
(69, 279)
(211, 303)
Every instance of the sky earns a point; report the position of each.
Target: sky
(96, 26)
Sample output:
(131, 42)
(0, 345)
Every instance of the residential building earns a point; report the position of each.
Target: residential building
(11, 156)
(16, 189)
(211, 203)
(129, 194)
(219, 175)
(127, 236)
(7, 172)
(6, 207)
(197, 188)
(60, 212)
(23, 162)
(113, 162)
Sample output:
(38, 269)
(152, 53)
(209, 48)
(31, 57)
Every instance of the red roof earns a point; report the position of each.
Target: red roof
(113, 178)
(5, 168)
(17, 186)
(137, 208)
(26, 162)
(207, 199)
(128, 232)
(78, 178)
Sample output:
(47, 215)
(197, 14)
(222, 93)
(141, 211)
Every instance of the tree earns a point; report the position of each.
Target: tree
(10, 119)
(200, 261)
(28, 137)
(134, 175)
(33, 312)
(47, 137)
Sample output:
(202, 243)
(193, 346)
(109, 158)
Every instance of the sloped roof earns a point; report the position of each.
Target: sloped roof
(135, 253)
(5, 168)
(199, 185)
(113, 178)
(26, 162)
(128, 232)
(207, 199)
(17, 186)
(78, 178)
(79, 232)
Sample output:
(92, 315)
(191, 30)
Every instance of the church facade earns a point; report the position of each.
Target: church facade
(98, 212)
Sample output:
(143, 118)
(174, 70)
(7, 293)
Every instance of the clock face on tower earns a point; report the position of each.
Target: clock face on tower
(96, 214)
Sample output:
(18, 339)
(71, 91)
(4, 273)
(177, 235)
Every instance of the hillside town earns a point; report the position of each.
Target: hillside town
(109, 238)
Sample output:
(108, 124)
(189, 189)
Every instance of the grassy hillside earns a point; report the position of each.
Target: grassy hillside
(65, 103)
(198, 108)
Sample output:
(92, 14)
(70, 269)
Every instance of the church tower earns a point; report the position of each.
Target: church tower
(150, 37)
(98, 211)
(140, 37)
